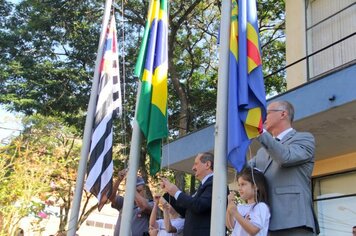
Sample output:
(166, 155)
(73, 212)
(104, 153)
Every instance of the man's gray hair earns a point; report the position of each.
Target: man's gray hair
(288, 107)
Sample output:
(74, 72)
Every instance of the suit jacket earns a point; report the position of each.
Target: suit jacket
(288, 166)
(196, 209)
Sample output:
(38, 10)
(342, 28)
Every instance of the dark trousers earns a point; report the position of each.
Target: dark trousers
(292, 232)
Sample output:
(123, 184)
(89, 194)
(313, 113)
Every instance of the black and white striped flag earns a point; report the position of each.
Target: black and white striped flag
(108, 106)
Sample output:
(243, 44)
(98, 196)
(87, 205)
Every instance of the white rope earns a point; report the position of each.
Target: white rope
(123, 75)
(253, 176)
(167, 139)
(121, 51)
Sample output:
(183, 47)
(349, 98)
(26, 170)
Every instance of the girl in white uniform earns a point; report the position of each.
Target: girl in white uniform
(252, 217)
(171, 224)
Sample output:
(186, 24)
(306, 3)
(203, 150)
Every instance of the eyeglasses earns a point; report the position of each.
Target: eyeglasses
(273, 110)
(139, 190)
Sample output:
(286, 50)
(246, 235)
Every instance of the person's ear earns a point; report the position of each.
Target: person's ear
(284, 114)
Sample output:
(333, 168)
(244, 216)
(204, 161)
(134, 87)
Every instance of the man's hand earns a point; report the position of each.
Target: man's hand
(168, 187)
(120, 177)
(231, 206)
(122, 174)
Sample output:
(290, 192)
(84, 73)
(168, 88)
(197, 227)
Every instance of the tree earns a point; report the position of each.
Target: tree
(38, 169)
(20, 181)
(48, 54)
(271, 15)
(193, 61)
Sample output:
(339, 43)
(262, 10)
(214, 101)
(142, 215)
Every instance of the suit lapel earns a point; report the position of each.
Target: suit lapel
(287, 137)
(198, 189)
(202, 186)
(269, 162)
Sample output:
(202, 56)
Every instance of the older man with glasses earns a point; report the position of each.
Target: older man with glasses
(287, 160)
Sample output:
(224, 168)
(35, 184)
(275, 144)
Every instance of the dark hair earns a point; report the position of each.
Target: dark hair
(258, 179)
(207, 156)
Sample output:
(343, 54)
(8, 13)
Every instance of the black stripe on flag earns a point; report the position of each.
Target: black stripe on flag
(100, 169)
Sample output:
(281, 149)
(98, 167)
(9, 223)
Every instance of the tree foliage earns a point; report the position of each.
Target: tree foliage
(49, 47)
(49, 52)
(20, 180)
(48, 56)
(38, 169)
(271, 16)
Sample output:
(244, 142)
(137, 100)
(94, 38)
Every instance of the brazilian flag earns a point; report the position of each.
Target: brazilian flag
(152, 69)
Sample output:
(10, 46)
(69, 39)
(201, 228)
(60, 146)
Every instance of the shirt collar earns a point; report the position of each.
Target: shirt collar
(206, 177)
(281, 135)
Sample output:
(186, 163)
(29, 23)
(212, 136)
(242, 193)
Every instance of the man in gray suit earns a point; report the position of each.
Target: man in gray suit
(287, 160)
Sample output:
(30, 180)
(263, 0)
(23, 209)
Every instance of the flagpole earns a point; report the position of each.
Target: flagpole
(73, 220)
(130, 189)
(220, 166)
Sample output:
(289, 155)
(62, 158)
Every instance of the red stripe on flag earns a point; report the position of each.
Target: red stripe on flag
(260, 126)
(114, 43)
(253, 52)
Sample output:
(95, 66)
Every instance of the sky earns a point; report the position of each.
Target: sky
(10, 125)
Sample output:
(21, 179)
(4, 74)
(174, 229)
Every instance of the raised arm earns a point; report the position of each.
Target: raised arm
(153, 227)
(167, 218)
(143, 204)
(299, 150)
(120, 178)
(230, 224)
(199, 204)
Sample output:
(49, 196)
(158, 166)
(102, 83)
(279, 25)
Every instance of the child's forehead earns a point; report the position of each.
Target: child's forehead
(242, 179)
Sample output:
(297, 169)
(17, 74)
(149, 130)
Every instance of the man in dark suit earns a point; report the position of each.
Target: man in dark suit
(287, 160)
(196, 208)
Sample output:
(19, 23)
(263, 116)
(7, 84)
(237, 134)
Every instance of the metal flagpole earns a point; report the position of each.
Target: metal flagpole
(130, 189)
(72, 228)
(134, 158)
(220, 166)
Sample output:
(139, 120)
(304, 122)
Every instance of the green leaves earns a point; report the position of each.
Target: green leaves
(38, 165)
(271, 16)
(48, 54)
(49, 51)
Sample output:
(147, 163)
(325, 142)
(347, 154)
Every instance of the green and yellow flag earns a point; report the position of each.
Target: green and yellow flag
(152, 69)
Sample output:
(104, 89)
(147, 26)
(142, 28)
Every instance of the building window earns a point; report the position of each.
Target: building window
(334, 199)
(100, 224)
(327, 22)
